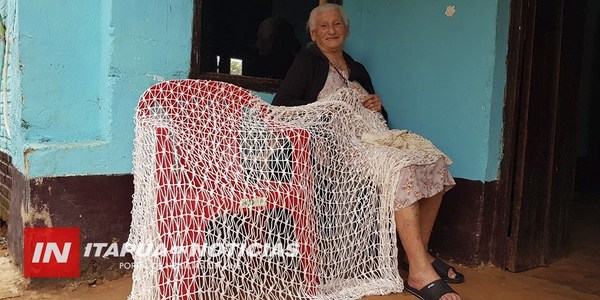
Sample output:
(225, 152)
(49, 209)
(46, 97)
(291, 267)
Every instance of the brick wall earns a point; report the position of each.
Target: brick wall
(5, 184)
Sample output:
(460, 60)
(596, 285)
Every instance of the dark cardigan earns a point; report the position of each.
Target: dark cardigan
(308, 73)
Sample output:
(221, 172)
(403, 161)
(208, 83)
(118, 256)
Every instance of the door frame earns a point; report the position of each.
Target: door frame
(524, 82)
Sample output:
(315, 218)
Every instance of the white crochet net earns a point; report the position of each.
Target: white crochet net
(237, 199)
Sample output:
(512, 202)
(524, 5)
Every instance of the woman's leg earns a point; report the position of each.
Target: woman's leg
(429, 208)
(408, 225)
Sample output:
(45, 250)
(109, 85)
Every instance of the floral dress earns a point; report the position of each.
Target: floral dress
(417, 181)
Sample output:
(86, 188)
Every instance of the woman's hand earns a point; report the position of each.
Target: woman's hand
(372, 102)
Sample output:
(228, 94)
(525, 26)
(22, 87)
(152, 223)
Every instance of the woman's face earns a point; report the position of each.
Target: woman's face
(329, 32)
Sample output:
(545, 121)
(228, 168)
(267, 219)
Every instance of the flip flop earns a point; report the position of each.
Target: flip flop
(431, 291)
(441, 268)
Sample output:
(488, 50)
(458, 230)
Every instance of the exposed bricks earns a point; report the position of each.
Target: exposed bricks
(5, 184)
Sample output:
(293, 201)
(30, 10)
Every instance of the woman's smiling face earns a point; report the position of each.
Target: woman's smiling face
(329, 32)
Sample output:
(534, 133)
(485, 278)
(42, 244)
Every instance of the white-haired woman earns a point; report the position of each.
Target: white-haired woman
(322, 68)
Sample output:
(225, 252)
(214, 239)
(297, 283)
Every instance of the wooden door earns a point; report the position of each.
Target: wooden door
(539, 155)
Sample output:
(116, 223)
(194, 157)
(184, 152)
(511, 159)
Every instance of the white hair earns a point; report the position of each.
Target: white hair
(324, 7)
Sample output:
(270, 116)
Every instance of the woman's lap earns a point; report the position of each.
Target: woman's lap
(422, 181)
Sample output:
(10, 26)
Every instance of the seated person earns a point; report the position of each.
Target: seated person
(321, 69)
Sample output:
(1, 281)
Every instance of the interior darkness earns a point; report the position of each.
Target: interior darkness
(264, 34)
(586, 205)
(588, 120)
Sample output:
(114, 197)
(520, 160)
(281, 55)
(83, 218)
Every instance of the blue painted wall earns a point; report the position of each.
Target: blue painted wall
(80, 67)
(440, 76)
(83, 65)
(11, 137)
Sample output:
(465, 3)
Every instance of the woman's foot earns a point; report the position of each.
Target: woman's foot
(435, 290)
(447, 272)
(420, 277)
(452, 275)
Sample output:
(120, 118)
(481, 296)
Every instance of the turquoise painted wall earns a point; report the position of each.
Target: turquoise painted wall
(11, 137)
(79, 67)
(440, 76)
(83, 67)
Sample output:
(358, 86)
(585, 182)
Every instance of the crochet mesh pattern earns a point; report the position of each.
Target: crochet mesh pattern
(238, 199)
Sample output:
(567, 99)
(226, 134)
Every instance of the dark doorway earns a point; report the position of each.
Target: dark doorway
(588, 123)
(538, 168)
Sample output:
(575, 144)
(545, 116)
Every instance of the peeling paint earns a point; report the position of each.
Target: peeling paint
(450, 11)
(36, 216)
(25, 125)
(35, 213)
(26, 159)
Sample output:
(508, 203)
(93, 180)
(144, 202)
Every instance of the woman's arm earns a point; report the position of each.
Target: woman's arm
(364, 79)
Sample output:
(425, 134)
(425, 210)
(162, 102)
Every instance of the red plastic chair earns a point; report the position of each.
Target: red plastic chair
(197, 169)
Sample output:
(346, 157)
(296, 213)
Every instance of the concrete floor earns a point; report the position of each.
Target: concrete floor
(575, 277)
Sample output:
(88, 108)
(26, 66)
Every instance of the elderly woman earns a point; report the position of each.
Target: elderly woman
(321, 69)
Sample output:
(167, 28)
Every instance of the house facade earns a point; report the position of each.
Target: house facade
(74, 72)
